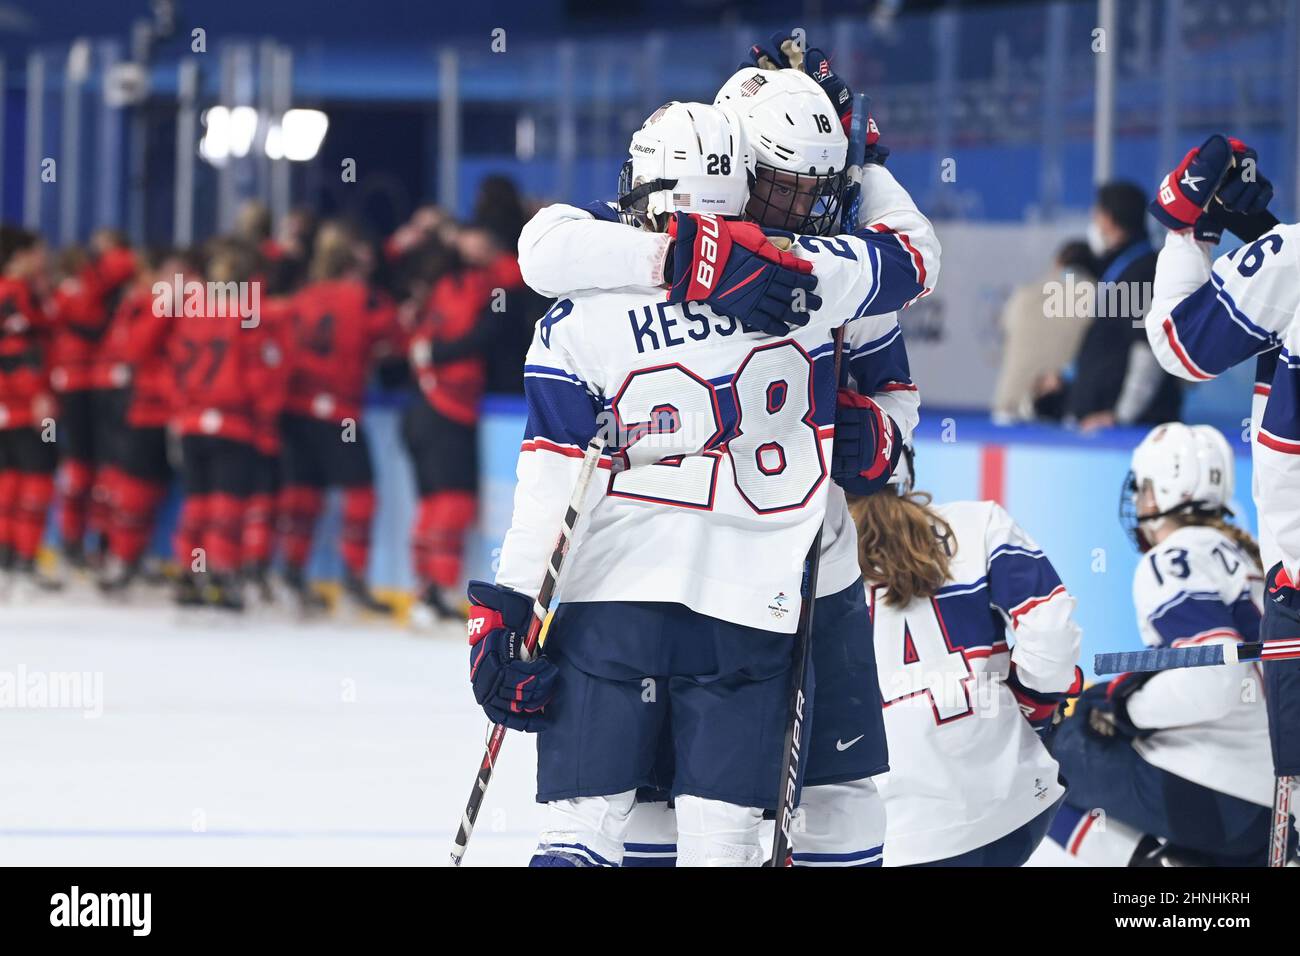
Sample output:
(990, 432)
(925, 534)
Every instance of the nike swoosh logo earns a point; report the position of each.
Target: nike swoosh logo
(841, 745)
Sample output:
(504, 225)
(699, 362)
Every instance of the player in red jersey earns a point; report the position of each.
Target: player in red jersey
(219, 365)
(449, 352)
(275, 330)
(90, 384)
(340, 327)
(27, 432)
(142, 329)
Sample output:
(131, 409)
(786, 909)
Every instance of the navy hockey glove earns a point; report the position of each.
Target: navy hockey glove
(1105, 706)
(1043, 710)
(733, 268)
(867, 444)
(781, 52)
(1245, 190)
(1185, 197)
(511, 691)
(775, 54)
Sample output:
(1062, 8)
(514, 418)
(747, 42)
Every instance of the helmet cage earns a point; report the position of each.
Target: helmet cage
(1132, 522)
(775, 195)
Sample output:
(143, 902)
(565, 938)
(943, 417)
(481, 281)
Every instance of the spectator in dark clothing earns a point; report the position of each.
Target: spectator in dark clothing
(1117, 379)
(500, 211)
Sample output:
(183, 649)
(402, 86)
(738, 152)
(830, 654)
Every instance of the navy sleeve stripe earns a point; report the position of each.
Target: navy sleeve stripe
(955, 589)
(1015, 549)
(1020, 579)
(1180, 597)
(1280, 428)
(898, 280)
(875, 345)
(1238, 316)
(1192, 618)
(1208, 337)
(602, 211)
(559, 410)
(882, 369)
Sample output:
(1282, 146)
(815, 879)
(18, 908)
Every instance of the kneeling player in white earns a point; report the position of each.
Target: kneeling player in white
(1176, 762)
(664, 640)
(970, 782)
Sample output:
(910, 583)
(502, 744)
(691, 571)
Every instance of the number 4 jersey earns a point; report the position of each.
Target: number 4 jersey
(717, 477)
(965, 766)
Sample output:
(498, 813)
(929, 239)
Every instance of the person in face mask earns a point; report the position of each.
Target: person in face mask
(1118, 380)
(1043, 322)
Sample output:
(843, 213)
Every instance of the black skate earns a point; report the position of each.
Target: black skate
(225, 593)
(258, 577)
(188, 593)
(360, 594)
(74, 556)
(436, 601)
(310, 601)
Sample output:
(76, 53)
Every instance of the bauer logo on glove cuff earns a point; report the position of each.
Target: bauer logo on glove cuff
(481, 623)
(706, 270)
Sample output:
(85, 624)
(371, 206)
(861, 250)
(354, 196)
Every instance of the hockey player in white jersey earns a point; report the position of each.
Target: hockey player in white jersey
(663, 639)
(1205, 318)
(786, 114)
(1177, 762)
(976, 647)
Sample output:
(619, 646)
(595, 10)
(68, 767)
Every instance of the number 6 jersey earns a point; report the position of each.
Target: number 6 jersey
(1205, 319)
(716, 479)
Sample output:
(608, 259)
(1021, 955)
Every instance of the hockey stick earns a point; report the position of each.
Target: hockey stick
(792, 753)
(1202, 655)
(541, 609)
(856, 156)
(1281, 821)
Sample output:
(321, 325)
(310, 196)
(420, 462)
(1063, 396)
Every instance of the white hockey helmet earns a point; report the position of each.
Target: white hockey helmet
(799, 145)
(1188, 469)
(687, 157)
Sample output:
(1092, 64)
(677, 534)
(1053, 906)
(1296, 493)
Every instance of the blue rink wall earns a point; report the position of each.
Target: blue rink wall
(1062, 488)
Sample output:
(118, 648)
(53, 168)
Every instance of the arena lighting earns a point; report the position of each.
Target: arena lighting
(215, 144)
(301, 134)
(275, 142)
(297, 136)
(243, 128)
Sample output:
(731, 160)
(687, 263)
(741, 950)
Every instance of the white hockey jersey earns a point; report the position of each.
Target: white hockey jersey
(1205, 319)
(1198, 587)
(565, 250)
(724, 437)
(965, 766)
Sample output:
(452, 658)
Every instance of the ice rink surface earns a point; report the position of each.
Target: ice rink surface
(247, 741)
(255, 740)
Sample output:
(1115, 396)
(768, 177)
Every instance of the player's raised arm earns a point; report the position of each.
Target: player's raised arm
(565, 250)
(874, 201)
(890, 220)
(1204, 319)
